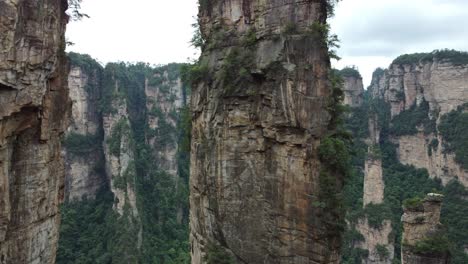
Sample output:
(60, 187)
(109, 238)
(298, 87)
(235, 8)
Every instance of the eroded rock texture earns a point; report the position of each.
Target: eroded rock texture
(33, 107)
(438, 84)
(378, 241)
(259, 112)
(421, 223)
(354, 91)
(84, 159)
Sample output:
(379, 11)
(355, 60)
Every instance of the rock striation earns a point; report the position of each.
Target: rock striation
(353, 87)
(437, 84)
(33, 115)
(259, 113)
(421, 225)
(84, 159)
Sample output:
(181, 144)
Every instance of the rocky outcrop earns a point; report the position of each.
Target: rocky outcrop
(378, 242)
(421, 227)
(84, 161)
(259, 113)
(373, 181)
(33, 111)
(164, 99)
(407, 86)
(417, 150)
(440, 82)
(353, 90)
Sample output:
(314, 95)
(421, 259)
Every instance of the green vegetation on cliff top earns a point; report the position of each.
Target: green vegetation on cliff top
(454, 56)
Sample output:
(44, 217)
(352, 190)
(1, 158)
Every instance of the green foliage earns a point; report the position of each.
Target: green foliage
(197, 40)
(83, 230)
(162, 199)
(435, 244)
(192, 74)
(432, 146)
(321, 32)
(382, 251)
(114, 141)
(218, 255)
(250, 38)
(290, 28)
(376, 214)
(454, 130)
(235, 72)
(407, 122)
(455, 57)
(85, 62)
(414, 204)
(350, 71)
(455, 219)
(331, 7)
(81, 144)
(74, 8)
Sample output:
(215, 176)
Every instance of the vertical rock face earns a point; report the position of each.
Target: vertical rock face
(84, 162)
(164, 99)
(421, 226)
(259, 112)
(354, 91)
(378, 241)
(33, 107)
(373, 181)
(436, 85)
(353, 87)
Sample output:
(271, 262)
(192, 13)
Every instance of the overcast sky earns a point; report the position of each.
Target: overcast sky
(372, 32)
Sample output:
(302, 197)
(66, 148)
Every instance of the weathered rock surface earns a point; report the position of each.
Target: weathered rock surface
(375, 238)
(84, 176)
(414, 150)
(373, 181)
(420, 223)
(163, 101)
(443, 85)
(33, 111)
(254, 165)
(353, 91)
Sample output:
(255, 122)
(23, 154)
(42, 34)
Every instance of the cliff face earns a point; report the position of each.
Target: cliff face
(437, 87)
(84, 162)
(259, 112)
(33, 107)
(377, 240)
(122, 154)
(353, 87)
(421, 227)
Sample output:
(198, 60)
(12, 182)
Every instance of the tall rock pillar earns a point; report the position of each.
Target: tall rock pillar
(424, 241)
(259, 113)
(33, 107)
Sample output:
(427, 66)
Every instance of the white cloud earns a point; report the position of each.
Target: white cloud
(374, 32)
(154, 31)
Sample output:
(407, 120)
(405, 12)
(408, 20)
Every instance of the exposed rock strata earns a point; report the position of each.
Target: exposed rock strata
(33, 111)
(422, 222)
(163, 101)
(84, 175)
(255, 170)
(353, 91)
(375, 238)
(443, 85)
